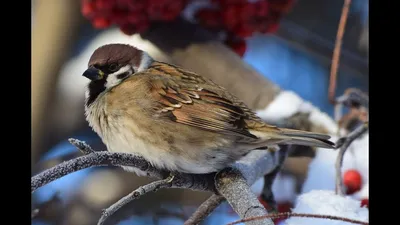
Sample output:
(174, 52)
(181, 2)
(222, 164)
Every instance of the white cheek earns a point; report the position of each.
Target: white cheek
(113, 79)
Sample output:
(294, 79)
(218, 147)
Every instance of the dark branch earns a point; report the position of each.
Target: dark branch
(344, 143)
(205, 209)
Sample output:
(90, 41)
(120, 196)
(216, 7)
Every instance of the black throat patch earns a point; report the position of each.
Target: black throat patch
(95, 88)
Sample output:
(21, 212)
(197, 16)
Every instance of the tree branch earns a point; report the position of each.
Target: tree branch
(232, 183)
(344, 143)
(205, 209)
(153, 186)
(336, 51)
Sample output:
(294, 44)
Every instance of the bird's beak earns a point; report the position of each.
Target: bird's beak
(93, 74)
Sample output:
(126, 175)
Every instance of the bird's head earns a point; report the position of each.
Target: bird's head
(110, 64)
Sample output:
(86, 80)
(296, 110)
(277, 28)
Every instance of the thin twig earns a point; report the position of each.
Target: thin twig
(153, 186)
(336, 51)
(205, 209)
(344, 143)
(289, 214)
(81, 146)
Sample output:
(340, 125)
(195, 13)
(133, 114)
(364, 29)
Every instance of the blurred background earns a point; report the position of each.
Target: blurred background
(289, 44)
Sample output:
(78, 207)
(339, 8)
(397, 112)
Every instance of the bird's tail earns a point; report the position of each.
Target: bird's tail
(297, 137)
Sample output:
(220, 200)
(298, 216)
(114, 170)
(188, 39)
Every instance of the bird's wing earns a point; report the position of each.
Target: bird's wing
(187, 98)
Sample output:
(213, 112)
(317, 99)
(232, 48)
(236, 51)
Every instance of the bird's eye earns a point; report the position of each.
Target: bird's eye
(113, 67)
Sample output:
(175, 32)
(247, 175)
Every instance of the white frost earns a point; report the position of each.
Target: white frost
(327, 203)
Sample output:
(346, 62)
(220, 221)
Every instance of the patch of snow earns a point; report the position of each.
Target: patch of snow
(284, 105)
(327, 203)
(321, 172)
(287, 103)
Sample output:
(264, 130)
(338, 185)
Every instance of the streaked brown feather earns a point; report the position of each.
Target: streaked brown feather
(201, 103)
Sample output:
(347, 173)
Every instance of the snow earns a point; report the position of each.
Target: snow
(327, 203)
(321, 174)
(318, 195)
(287, 103)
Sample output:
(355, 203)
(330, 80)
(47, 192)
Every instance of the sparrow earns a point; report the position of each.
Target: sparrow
(178, 120)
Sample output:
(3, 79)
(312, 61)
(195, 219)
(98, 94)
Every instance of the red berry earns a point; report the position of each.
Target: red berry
(208, 17)
(365, 202)
(88, 8)
(229, 17)
(154, 11)
(247, 11)
(136, 18)
(101, 22)
(142, 26)
(104, 5)
(238, 46)
(172, 10)
(230, 2)
(128, 29)
(262, 8)
(352, 180)
(244, 30)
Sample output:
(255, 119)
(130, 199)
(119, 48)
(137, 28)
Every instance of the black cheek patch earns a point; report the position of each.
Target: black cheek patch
(123, 75)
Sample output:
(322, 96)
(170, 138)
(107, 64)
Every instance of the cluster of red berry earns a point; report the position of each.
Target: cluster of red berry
(243, 18)
(238, 18)
(131, 16)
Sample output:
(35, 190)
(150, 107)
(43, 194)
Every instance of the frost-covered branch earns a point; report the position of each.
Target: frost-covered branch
(205, 209)
(232, 183)
(153, 186)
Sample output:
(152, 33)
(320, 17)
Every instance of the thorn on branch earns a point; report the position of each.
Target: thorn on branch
(289, 214)
(343, 144)
(205, 209)
(153, 186)
(81, 146)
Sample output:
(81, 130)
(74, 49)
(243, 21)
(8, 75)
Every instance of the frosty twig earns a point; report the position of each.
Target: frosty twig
(205, 209)
(289, 214)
